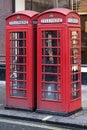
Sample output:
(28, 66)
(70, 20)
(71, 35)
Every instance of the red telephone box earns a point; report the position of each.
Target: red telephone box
(20, 59)
(58, 61)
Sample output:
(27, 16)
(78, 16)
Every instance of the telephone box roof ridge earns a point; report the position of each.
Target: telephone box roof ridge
(63, 11)
(29, 13)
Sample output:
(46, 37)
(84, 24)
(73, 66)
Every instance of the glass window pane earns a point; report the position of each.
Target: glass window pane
(18, 76)
(51, 64)
(75, 77)
(75, 43)
(75, 86)
(75, 56)
(74, 34)
(53, 42)
(51, 96)
(49, 60)
(17, 84)
(50, 87)
(17, 68)
(18, 63)
(50, 77)
(18, 93)
(49, 34)
(50, 51)
(51, 69)
(75, 95)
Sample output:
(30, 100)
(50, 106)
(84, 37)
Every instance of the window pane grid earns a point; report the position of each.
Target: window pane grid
(51, 65)
(18, 64)
(75, 64)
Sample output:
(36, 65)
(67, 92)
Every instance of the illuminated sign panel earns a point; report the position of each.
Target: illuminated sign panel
(52, 20)
(18, 22)
(73, 20)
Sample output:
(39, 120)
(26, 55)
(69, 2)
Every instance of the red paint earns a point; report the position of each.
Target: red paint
(58, 61)
(20, 60)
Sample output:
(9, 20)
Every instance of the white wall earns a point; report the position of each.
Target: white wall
(19, 5)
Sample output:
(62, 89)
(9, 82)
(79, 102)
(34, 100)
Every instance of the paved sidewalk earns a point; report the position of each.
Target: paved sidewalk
(78, 119)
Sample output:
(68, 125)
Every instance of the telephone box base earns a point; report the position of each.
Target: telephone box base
(58, 113)
(23, 109)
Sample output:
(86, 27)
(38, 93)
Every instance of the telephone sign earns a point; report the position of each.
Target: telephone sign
(73, 20)
(51, 20)
(18, 22)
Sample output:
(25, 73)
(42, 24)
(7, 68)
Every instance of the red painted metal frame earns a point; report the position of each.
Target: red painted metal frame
(27, 101)
(66, 104)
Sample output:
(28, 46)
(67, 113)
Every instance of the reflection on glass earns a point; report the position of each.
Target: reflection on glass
(18, 51)
(17, 63)
(75, 42)
(51, 64)
(75, 94)
(17, 84)
(17, 68)
(18, 43)
(51, 95)
(18, 93)
(50, 87)
(50, 77)
(18, 76)
(75, 77)
(17, 59)
(74, 34)
(75, 61)
(49, 43)
(50, 69)
(17, 35)
(53, 41)
(51, 32)
(47, 60)
(75, 86)
(75, 53)
(48, 51)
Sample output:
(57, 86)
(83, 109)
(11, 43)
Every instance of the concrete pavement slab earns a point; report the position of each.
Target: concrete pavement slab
(77, 120)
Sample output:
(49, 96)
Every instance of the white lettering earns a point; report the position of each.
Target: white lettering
(52, 20)
(73, 20)
(18, 22)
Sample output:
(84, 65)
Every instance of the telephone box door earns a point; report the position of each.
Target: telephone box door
(18, 94)
(50, 85)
